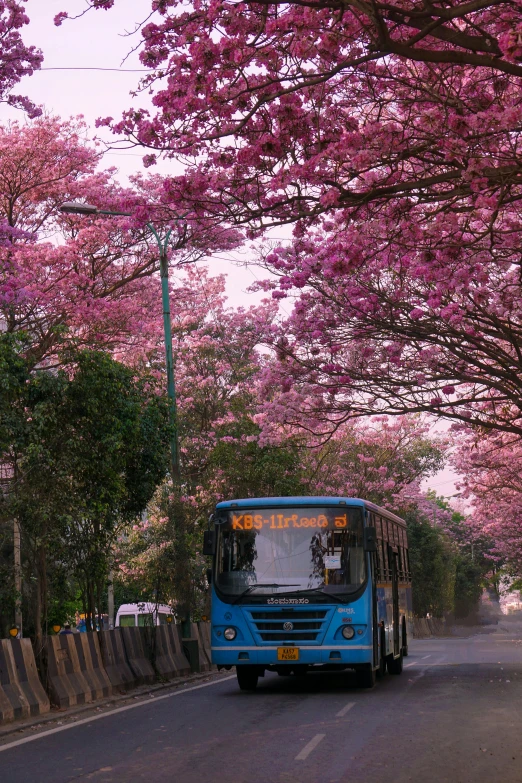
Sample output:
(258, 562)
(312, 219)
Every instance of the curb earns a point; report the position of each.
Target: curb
(57, 714)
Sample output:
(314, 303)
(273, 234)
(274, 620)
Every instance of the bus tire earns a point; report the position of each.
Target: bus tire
(366, 678)
(404, 640)
(247, 677)
(395, 664)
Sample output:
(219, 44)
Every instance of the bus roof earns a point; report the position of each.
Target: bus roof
(305, 500)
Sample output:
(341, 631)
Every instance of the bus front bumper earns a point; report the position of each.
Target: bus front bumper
(309, 656)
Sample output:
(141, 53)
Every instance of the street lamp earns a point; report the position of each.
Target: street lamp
(77, 208)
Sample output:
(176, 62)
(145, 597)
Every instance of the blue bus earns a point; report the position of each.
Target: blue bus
(308, 582)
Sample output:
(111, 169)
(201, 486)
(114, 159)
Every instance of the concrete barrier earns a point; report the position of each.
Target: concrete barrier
(204, 635)
(115, 661)
(426, 627)
(170, 660)
(21, 693)
(136, 650)
(75, 669)
(437, 626)
(421, 630)
(196, 632)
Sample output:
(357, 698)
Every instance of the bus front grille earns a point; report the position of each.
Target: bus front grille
(289, 627)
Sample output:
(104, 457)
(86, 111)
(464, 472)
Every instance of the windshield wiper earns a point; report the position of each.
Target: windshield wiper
(320, 591)
(253, 587)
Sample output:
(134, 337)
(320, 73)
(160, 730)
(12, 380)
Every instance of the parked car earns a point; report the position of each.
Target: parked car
(142, 614)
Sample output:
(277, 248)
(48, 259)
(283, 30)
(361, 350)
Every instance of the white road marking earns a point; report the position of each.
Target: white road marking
(310, 747)
(424, 657)
(447, 663)
(438, 662)
(112, 712)
(345, 709)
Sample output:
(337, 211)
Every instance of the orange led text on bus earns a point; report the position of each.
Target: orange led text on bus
(280, 522)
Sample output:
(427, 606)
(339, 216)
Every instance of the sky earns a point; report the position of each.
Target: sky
(104, 40)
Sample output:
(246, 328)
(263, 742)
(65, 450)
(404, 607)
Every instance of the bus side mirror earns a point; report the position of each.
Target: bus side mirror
(370, 539)
(209, 576)
(208, 542)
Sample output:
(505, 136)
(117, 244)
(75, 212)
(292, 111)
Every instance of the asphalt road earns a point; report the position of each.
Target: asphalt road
(455, 715)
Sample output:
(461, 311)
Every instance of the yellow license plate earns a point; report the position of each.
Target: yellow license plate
(288, 653)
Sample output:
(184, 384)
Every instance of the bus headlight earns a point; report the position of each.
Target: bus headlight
(231, 633)
(348, 632)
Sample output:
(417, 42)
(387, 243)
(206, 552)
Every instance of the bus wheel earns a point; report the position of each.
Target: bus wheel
(395, 664)
(247, 677)
(366, 677)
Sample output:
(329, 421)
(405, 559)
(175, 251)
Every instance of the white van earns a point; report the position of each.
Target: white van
(142, 614)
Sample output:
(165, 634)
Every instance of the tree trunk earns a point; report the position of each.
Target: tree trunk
(91, 617)
(38, 632)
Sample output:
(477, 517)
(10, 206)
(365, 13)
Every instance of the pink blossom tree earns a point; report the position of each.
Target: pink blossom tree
(297, 109)
(16, 58)
(490, 467)
(405, 330)
(394, 135)
(380, 459)
(229, 449)
(88, 281)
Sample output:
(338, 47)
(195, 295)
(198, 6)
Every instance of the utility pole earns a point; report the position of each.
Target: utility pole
(169, 362)
(77, 208)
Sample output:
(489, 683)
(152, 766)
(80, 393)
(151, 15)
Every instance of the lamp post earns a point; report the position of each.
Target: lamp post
(77, 208)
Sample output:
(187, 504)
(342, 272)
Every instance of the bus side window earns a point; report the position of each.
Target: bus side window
(402, 558)
(404, 554)
(408, 569)
(403, 549)
(380, 562)
(384, 550)
(372, 520)
(400, 562)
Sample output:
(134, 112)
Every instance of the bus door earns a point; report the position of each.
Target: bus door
(393, 556)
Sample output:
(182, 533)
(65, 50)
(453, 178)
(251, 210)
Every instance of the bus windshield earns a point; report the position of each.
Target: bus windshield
(271, 551)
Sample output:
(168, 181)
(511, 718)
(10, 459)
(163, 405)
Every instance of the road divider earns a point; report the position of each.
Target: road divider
(79, 668)
(138, 655)
(170, 660)
(115, 660)
(21, 693)
(426, 627)
(75, 669)
(201, 632)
